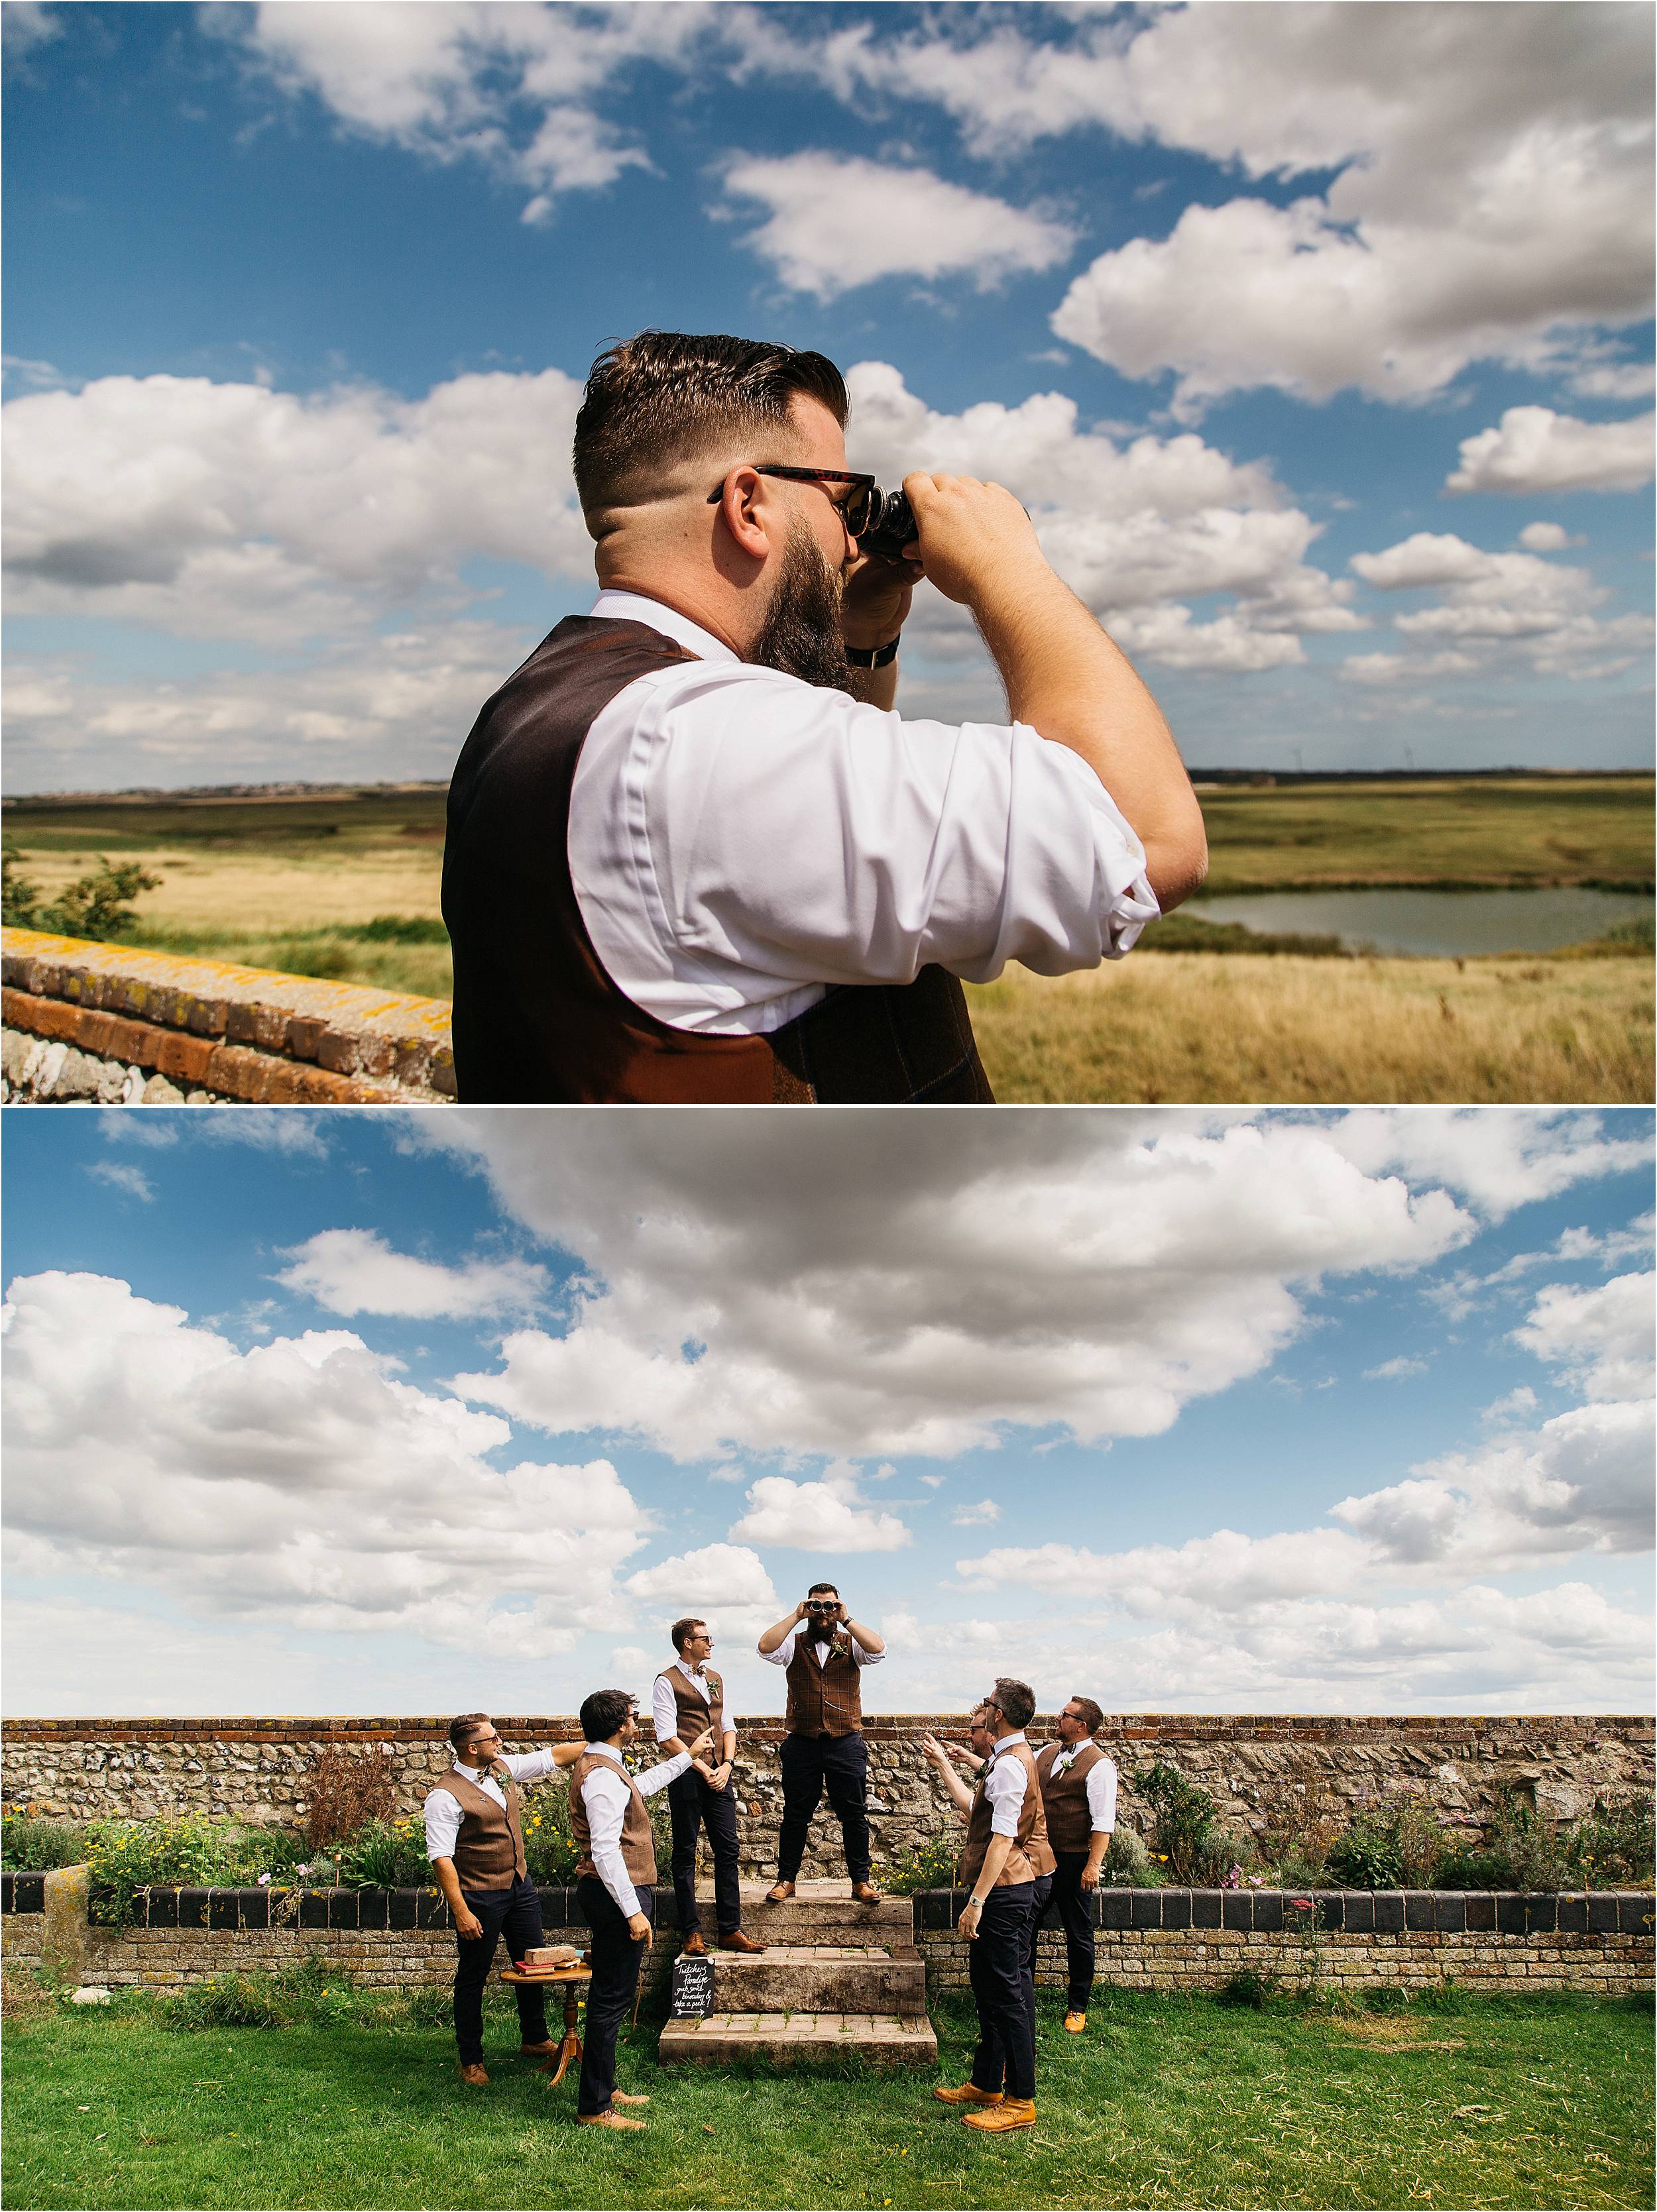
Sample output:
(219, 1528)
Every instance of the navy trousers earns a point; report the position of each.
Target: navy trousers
(1075, 1910)
(998, 1967)
(616, 1962)
(692, 1803)
(808, 1763)
(515, 1913)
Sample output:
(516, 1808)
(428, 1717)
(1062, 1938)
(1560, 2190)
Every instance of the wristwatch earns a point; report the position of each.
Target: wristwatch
(877, 656)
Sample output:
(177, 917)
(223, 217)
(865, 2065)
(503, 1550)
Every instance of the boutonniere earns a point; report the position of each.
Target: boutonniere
(714, 1682)
(840, 1642)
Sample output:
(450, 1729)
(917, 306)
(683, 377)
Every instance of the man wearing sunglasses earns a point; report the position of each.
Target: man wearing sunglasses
(694, 853)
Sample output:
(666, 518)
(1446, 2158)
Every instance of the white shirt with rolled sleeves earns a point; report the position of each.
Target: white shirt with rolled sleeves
(740, 841)
(444, 1813)
(1004, 1784)
(605, 1797)
(784, 1651)
(1101, 1787)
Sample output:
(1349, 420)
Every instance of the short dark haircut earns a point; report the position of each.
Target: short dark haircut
(1014, 1701)
(1089, 1711)
(815, 1587)
(464, 1727)
(664, 394)
(680, 1631)
(604, 1712)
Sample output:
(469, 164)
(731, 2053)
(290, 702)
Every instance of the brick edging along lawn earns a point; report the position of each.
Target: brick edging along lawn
(1147, 1939)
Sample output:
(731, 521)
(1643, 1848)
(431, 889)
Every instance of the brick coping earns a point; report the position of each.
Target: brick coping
(243, 1728)
(1356, 1911)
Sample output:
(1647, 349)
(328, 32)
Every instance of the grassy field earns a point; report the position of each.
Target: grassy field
(347, 887)
(1166, 2101)
(1205, 1027)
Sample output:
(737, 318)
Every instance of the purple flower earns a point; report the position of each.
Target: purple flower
(265, 1881)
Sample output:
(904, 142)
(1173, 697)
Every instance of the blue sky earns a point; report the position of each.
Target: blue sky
(1316, 339)
(1197, 1411)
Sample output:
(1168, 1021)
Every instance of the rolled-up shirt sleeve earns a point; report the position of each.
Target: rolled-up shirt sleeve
(747, 838)
(1101, 1796)
(1005, 1788)
(443, 1817)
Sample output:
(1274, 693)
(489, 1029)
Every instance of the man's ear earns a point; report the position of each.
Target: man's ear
(747, 512)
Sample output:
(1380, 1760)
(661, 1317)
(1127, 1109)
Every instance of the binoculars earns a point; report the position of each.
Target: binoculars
(889, 525)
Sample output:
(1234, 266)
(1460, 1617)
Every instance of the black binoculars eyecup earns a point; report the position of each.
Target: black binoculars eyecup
(890, 525)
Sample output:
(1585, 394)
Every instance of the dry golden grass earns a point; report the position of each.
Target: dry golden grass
(238, 888)
(1213, 1028)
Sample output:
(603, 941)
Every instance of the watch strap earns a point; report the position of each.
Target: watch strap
(877, 656)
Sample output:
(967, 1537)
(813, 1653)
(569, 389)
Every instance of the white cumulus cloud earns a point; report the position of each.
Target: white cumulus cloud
(352, 1270)
(1534, 450)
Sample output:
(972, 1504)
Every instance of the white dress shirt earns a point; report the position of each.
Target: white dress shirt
(1004, 1784)
(604, 1796)
(1101, 1786)
(739, 839)
(444, 1812)
(784, 1651)
(665, 1712)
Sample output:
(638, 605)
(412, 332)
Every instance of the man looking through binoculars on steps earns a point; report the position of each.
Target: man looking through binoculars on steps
(824, 1652)
(693, 851)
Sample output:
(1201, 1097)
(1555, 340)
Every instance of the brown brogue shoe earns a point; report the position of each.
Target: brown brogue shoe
(609, 2118)
(474, 2077)
(546, 2050)
(1074, 2022)
(779, 1892)
(695, 1945)
(865, 1892)
(1011, 2112)
(968, 2094)
(736, 1940)
(621, 2097)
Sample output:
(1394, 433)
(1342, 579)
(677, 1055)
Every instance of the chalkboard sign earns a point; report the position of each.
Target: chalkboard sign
(693, 1989)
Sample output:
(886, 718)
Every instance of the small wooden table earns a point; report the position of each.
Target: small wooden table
(573, 1981)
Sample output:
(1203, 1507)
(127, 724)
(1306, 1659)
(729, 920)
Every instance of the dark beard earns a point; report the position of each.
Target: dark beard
(801, 634)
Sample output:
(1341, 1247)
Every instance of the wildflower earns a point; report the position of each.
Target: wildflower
(265, 1881)
(1301, 1903)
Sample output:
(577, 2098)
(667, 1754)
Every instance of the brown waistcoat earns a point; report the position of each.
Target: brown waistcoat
(1069, 1824)
(638, 1843)
(824, 1700)
(489, 1851)
(537, 1018)
(694, 1712)
(1030, 1856)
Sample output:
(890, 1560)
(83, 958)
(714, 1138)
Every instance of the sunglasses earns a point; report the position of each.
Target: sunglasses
(854, 509)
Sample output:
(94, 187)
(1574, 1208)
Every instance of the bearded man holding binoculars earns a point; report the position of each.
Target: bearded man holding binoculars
(823, 1652)
(695, 854)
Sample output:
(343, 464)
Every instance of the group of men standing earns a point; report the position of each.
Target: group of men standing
(1038, 1827)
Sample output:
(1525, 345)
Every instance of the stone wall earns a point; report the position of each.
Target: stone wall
(253, 1768)
(1147, 1939)
(103, 1023)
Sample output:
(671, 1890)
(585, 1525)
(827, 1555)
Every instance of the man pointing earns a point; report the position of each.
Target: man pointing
(695, 854)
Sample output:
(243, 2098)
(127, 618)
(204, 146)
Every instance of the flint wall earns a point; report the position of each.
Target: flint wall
(253, 1768)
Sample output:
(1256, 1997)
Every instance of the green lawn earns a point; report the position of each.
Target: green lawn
(1165, 2101)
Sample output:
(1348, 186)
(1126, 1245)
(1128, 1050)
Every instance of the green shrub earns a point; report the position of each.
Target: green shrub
(1128, 1863)
(279, 1998)
(1520, 1850)
(1181, 1817)
(930, 1865)
(384, 1854)
(1611, 1846)
(550, 1849)
(1398, 1847)
(127, 1856)
(97, 905)
(34, 1845)
(1223, 1848)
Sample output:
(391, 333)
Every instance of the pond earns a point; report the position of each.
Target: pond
(1448, 923)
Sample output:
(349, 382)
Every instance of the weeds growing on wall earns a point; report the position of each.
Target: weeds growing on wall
(343, 1790)
(37, 1845)
(930, 1865)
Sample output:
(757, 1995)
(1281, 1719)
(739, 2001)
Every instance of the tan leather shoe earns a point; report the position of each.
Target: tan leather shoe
(1074, 2022)
(537, 2050)
(621, 2097)
(779, 1892)
(695, 1945)
(474, 2077)
(736, 1940)
(609, 2120)
(968, 2094)
(865, 1892)
(1011, 2112)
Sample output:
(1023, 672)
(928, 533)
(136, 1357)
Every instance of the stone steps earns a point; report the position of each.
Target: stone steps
(788, 2038)
(802, 1978)
(836, 1979)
